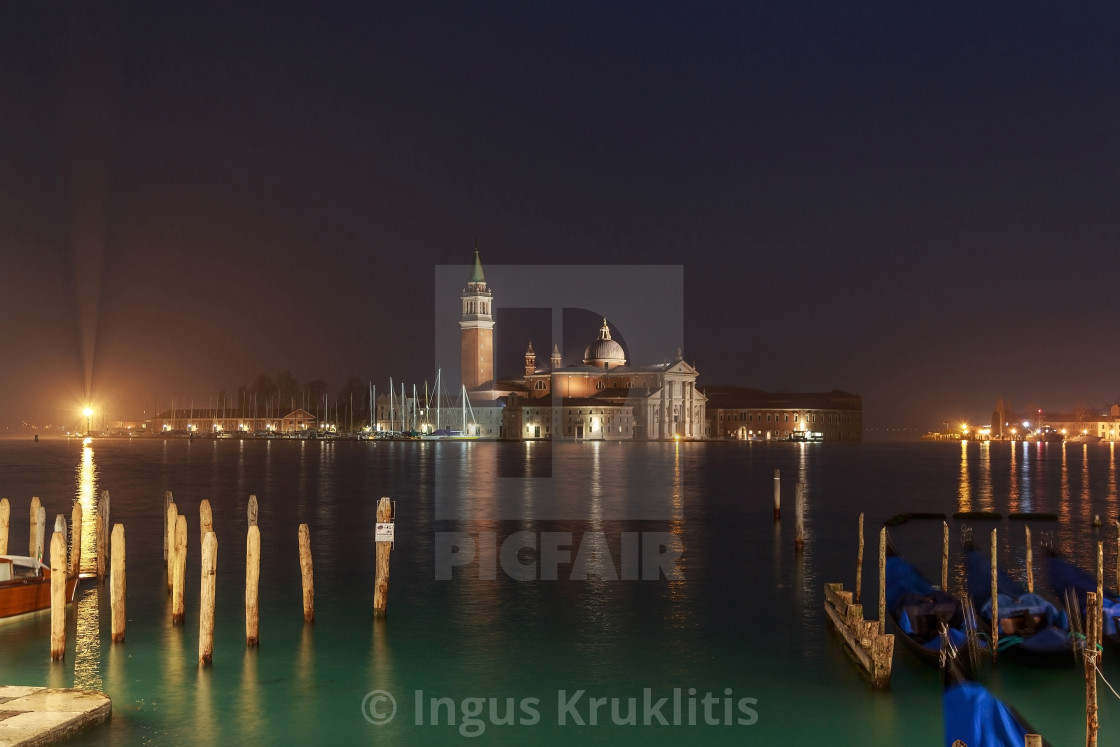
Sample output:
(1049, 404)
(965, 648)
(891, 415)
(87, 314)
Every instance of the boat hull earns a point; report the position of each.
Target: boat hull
(21, 596)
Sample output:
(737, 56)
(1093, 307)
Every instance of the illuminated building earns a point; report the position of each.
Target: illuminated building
(750, 414)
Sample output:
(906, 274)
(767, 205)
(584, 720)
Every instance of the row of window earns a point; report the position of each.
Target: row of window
(748, 417)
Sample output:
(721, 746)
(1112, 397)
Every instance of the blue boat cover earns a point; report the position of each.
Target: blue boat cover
(978, 718)
(1065, 575)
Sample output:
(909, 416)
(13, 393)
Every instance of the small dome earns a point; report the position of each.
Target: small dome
(604, 352)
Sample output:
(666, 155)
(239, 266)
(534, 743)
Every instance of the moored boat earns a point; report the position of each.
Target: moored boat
(25, 585)
(1070, 582)
(1032, 629)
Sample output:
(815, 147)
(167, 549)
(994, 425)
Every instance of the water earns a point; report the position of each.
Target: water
(746, 622)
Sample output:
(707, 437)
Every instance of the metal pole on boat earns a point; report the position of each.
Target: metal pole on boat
(944, 556)
(1030, 563)
(995, 599)
(882, 580)
(777, 494)
(58, 596)
(859, 562)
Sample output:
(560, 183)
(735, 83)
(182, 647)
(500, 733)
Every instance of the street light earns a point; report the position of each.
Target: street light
(88, 412)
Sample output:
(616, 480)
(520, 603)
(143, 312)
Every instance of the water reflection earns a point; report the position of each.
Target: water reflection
(250, 714)
(1013, 483)
(87, 639)
(86, 495)
(1063, 500)
(1111, 499)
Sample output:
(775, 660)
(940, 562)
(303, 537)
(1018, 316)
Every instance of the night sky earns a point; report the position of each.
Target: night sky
(917, 204)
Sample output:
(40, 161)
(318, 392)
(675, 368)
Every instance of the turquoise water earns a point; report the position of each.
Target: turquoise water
(744, 626)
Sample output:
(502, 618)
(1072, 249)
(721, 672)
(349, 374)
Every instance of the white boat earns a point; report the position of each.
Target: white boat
(1084, 438)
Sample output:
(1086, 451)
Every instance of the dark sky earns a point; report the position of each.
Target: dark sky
(918, 204)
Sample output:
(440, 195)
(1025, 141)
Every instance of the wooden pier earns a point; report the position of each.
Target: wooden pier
(42, 715)
(872, 650)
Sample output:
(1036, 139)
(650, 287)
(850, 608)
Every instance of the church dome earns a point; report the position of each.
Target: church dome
(604, 352)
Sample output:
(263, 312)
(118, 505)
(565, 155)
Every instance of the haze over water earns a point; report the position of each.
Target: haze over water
(747, 617)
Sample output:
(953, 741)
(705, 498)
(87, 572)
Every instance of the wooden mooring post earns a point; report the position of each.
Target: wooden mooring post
(995, 597)
(40, 529)
(171, 522)
(1030, 561)
(799, 517)
(1032, 740)
(102, 534)
(1092, 639)
(859, 562)
(307, 574)
(58, 596)
(872, 650)
(117, 583)
(5, 524)
(60, 527)
(882, 580)
(383, 548)
(178, 610)
(168, 539)
(33, 543)
(76, 539)
(205, 520)
(207, 597)
(252, 582)
(777, 494)
(253, 511)
(944, 556)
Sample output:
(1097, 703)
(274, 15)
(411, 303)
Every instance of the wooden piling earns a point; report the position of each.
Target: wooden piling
(168, 541)
(205, 520)
(207, 596)
(171, 520)
(1030, 562)
(381, 583)
(944, 556)
(1092, 630)
(799, 518)
(60, 527)
(777, 494)
(253, 510)
(1032, 740)
(995, 597)
(307, 573)
(872, 652)
(102, 534)
(178, 611)
(76, 540)
(33, 533)
(40, 534)
(252, 581)
(5, 524)
(882, 580)
(117, 583)
(859, 562)
(58, 597)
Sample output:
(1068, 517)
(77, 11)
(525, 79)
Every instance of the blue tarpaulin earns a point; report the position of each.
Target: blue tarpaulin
(978, 718)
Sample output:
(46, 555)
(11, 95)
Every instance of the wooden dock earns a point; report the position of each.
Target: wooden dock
(43, 715)
(872, 650)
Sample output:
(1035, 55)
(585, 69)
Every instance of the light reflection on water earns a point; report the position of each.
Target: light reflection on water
(497, 637)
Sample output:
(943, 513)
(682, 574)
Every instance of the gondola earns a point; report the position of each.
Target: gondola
(1068, 581)
(1032, 630)
(919, 609)
(971, 714)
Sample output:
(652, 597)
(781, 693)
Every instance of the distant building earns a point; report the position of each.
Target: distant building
(1102, 424)
(214, 421)
(751, 414)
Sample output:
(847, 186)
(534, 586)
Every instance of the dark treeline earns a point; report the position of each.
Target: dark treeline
(276, 396)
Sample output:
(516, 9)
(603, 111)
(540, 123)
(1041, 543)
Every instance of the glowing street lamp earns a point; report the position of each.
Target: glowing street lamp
(88, 412)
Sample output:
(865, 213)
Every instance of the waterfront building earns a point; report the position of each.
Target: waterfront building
(601, 397)
(1092, 422)
(219, 421)
(751, 414)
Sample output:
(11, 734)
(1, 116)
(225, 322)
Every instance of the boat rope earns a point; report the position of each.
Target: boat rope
(1100, 674)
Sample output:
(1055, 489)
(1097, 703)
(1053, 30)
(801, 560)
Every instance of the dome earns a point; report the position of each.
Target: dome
(604, 352)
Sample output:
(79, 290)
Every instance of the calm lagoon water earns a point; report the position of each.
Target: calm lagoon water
(745, 622)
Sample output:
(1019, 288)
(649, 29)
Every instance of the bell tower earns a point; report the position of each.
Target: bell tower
(476, 328)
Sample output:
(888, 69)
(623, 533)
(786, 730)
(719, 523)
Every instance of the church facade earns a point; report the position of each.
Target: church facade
(601, 397)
